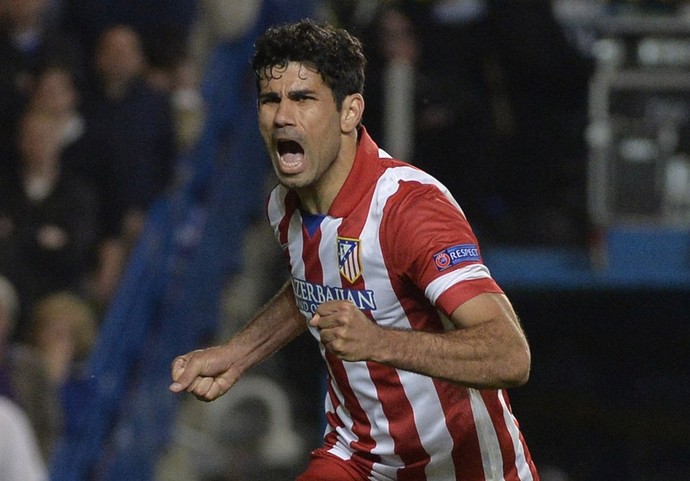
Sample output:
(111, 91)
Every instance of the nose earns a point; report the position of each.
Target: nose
(284, 114)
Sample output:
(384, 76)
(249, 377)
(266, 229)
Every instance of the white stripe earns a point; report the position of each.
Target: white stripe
(295, 244)
(521, 464)
(439, 285)
(328, 251)
(345, 434)
(276, 209)
(408, 173)
(375, 269)
(492, 459)
(337, 449)
(430, 420)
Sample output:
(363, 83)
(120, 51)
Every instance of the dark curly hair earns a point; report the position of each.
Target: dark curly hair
(335, 54)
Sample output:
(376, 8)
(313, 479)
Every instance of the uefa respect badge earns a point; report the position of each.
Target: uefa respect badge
(455, 255)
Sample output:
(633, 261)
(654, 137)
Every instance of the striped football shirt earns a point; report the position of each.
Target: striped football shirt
(397, 245)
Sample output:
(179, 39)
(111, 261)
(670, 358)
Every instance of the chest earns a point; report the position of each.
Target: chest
(344, 260)
(339, 252)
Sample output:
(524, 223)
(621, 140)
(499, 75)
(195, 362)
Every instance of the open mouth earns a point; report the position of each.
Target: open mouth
(290, 153)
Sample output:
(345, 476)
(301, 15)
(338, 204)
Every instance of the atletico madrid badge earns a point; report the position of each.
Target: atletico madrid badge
(349, 262)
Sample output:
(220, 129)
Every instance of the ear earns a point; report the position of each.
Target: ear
(351, 112)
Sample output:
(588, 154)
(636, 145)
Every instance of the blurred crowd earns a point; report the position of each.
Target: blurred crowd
(96, 102)
(99, 98)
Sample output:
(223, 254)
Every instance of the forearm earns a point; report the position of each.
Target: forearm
(493, 354)
(276, 324)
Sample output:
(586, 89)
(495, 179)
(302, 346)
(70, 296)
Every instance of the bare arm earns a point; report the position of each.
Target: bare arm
(488, 348)
(210, 373)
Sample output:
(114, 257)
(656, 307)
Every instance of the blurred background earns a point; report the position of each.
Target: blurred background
(132, 186)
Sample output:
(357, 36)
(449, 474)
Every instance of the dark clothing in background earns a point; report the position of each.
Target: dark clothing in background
(545, 80)
(35, 266)
(133, 140)
(501, 107)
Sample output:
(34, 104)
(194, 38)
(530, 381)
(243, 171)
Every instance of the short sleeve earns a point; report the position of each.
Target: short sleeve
(430, 243)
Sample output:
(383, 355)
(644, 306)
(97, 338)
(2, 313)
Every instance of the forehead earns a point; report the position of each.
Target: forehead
(293, 74)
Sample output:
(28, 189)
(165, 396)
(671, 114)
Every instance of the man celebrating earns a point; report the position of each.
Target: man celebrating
(386, 273)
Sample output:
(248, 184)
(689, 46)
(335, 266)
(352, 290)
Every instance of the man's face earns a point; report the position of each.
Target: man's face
(119, 56)
(301, 128)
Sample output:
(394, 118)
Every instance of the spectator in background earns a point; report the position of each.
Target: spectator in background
(439, 52)
(28, 43)
(55, 92)
(51, 216)
(131, 127)
(63, 329)
(24, 379)
(20, 458)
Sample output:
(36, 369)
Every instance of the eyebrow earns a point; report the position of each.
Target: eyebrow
(269, 96)
(301, 93)
(293, 94)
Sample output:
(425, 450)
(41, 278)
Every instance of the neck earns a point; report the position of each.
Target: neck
(318, 198)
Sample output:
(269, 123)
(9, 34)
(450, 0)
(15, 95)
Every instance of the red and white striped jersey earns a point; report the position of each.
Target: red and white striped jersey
(398, 246)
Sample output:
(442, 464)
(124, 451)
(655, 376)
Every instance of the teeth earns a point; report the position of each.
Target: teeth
(291, 159)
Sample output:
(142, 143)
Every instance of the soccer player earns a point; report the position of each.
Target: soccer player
(386, 273)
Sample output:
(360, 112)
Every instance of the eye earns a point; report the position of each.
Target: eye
(269, 99)
(302, 96)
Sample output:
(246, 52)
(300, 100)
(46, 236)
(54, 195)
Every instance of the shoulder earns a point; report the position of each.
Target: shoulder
(404, 186)
(14, 422)
(281, 204)
(21, 458)
(12, 416)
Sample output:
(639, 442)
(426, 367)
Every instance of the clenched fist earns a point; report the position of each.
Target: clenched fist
(346, 331)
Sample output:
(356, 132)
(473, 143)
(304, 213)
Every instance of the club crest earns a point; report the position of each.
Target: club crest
(349, 262)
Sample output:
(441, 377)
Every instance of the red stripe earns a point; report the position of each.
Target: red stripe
(401, 427)
(510, 471)
(290, 208)
(361, 427)
(466, 453)
(528, 456)
(394, 403)
(352, 228)
(493, 404)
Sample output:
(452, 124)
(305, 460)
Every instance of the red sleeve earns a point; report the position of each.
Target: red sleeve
(427, 237)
